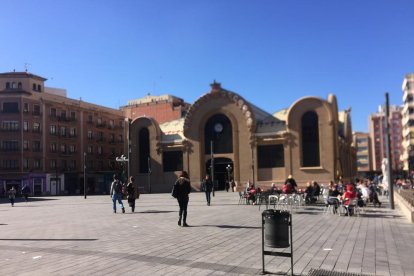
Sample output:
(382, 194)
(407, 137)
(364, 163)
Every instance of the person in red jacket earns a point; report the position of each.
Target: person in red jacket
(348, 195)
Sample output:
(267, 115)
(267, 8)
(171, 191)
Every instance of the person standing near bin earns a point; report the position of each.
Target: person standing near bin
(116, 193)
(132, 195)
(207, 186)
(183, 189)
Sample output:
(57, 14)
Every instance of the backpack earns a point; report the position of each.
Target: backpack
(118, 187)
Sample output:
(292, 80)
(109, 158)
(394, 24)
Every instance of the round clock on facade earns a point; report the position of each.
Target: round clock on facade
(218, 127)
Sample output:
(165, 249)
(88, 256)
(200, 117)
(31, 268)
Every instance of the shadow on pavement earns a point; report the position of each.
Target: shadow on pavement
(155, 212)
(21, 200)
(228, 226)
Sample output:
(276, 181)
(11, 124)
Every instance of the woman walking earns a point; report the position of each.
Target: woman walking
(131, 193)
(183, 189)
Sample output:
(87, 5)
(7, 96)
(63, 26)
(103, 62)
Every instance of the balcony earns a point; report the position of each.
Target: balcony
(9, 149)
(9, 129)
(101, 125)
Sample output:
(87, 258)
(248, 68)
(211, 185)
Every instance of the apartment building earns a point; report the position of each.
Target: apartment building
(408, 123)
(48, 139)
(362, 144)
(378, 133)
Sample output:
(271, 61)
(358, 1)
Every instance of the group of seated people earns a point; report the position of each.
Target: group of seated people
(360, 192)
(334, 195)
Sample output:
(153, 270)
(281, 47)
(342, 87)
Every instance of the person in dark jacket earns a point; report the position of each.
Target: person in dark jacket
(183, 189)
(132, 195)
(207, 186)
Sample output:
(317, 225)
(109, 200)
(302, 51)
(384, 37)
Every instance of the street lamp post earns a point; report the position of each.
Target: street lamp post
(228, 168)
(84, 174)
(122, 159)
(212, 166)
(128, 121)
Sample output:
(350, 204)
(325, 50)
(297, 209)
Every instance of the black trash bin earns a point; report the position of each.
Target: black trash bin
(276, 228)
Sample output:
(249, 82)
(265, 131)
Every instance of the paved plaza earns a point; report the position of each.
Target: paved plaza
(77, 236)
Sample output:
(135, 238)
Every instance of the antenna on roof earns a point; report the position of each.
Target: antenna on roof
(26, 65)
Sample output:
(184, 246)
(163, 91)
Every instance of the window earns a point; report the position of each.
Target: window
(25, 145)
(36, 146)
(310, 140)
(36, 109)
(10, 125)
(36, 164)
(53, 112)
(144, 150)
(63, 131)
(72, 132)
(90, 119)
(89, 164)
(270, 156)
(14, 85)
(7, 85)
(39, 88)
(172, 161)
(53, 147)
(63, 115)
(64, 164)
(73, 115)
(53, 164)
(34, 87)
(90, 149)
(218, 130)
(100, 136)
(72, 164)
(72, 148)
(53, 130)
(25, 107)
(10, 145)
(19, 85)
(100, 151)
(10, 107)
(63, 148)
(36, 127)
(25, 163)
(90, 136)
(10, 164)
(112, 138)
(111, 123)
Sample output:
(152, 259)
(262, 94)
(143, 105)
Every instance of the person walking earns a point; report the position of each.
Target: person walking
(182, 184)
(12, 195)
(207, 186)
(131, 193)
(116, 193)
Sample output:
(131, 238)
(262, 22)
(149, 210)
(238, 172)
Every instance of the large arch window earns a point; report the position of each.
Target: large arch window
(310, 140)
(144, 150)
(218, 130)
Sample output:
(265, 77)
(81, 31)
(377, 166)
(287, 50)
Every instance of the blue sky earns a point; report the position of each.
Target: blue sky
(271, 52)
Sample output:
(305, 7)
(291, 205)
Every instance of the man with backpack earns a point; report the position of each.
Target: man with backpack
(116, 193)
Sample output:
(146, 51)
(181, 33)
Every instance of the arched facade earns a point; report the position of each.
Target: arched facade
(225, 135)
